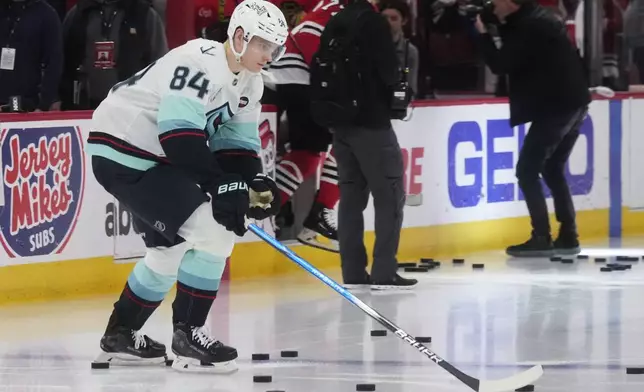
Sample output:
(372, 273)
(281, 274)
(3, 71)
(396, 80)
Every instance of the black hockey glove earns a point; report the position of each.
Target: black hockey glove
(264, 197)
(230, 202)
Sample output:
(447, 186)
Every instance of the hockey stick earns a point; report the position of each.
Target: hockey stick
(506, 384)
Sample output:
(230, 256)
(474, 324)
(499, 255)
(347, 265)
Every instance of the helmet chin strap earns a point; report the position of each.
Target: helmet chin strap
(238, 55)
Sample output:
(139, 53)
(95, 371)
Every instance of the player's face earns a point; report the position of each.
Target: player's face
(259, 52)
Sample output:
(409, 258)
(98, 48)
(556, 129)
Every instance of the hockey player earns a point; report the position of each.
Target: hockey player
(308, 141)
(178, 144)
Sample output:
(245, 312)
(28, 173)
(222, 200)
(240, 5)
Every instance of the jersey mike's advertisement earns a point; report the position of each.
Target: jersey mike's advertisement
(44, 177)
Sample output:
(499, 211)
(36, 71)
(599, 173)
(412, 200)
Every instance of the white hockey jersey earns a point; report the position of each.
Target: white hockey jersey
(191, 87)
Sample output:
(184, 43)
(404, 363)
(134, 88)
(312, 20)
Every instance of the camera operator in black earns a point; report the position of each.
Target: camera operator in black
(547, 87)
(368, 154)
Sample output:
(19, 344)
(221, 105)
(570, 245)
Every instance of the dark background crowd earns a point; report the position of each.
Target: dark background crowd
(67, 54)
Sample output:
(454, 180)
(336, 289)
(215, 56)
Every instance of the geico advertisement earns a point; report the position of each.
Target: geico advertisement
(463, 160)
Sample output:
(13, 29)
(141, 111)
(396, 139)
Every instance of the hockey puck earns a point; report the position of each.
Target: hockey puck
(567, 261)
(621, 258)
(527, 388)
(583, 257)
(555, 258)
(366, 387)
(606, 269)
(600, 260)
(262, 378)
(416, 269)
(406, 265)
(458, 261)
(261, 357)
(478, 266)
(635, 370)
(424, 339)
(632, 259)
(426, 261)
(169, 362)
(289, 354)
(378, 332)
(626, 267)
(100, 365)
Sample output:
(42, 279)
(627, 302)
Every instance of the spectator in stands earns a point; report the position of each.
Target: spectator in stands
(31, 54)
(211, 18)
(634, 34)
(107, 41)
(397, 14)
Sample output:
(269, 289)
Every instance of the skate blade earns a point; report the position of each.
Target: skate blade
(191, 365)
(311, 238)
(123, 359)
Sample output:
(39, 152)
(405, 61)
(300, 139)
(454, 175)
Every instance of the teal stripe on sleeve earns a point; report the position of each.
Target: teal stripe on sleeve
(177, 112)
(236, 135)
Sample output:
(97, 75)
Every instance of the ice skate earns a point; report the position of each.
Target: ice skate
(321, 222)
(128, 347)
(198, 352)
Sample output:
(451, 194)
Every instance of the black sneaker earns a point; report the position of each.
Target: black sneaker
(124, 346)
(397, 283)
(363, 283)
(536, 246)
(197, 351)
(567, 244)
(321, 221)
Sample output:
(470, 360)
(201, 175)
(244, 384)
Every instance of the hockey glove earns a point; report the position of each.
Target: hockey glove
(264, 197)
(230, 202)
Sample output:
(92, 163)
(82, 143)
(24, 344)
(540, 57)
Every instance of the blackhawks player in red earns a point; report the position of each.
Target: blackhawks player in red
(309, 143)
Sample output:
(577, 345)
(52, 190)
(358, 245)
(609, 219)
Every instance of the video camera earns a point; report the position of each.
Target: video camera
(472, 8)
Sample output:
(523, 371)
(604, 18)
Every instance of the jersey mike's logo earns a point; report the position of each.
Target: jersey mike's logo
(44, 174)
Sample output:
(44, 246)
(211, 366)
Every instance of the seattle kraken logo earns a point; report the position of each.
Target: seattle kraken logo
(216, 117)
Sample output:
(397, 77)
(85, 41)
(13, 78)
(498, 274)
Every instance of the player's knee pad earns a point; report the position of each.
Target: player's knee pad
(201, 270)
(154, 275)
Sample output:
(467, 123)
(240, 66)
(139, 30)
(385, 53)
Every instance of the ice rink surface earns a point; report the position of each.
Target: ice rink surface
(584, 326)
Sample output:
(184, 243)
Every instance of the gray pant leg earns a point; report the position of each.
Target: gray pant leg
(380, 163)
(354, 196)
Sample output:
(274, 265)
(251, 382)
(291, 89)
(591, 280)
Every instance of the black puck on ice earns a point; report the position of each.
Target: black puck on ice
(406, 265)
(621, 258)
(555, 258)
(426, 260)
(567, 261)
(261, 357)
(478, 266)
(458, 261)
(600, 260)
(378, 332)
(527, 388)
(634, 370)
(606, 269)
(424, 339)
(366, 387)
(632, 259)
(289, 354)
(262, 378)
(416, 269)
(583, 257)
(169, 362)
(100, 365)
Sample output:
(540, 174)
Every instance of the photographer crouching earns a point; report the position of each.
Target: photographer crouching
(547, 87)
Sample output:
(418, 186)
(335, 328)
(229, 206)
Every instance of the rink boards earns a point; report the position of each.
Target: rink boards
(62, 235)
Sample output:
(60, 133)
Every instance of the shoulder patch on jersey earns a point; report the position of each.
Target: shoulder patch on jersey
(243, 102)
(208, 51)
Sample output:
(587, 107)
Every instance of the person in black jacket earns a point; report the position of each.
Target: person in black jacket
(369, 157)
(548, 87)
(31, 59)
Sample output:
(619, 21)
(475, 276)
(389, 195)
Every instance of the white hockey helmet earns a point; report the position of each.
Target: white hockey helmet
(259, 18)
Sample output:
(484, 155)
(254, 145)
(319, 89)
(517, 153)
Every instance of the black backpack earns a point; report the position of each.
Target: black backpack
(335, 79)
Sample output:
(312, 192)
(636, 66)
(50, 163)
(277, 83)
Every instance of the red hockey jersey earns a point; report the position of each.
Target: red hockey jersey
(302, 43)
